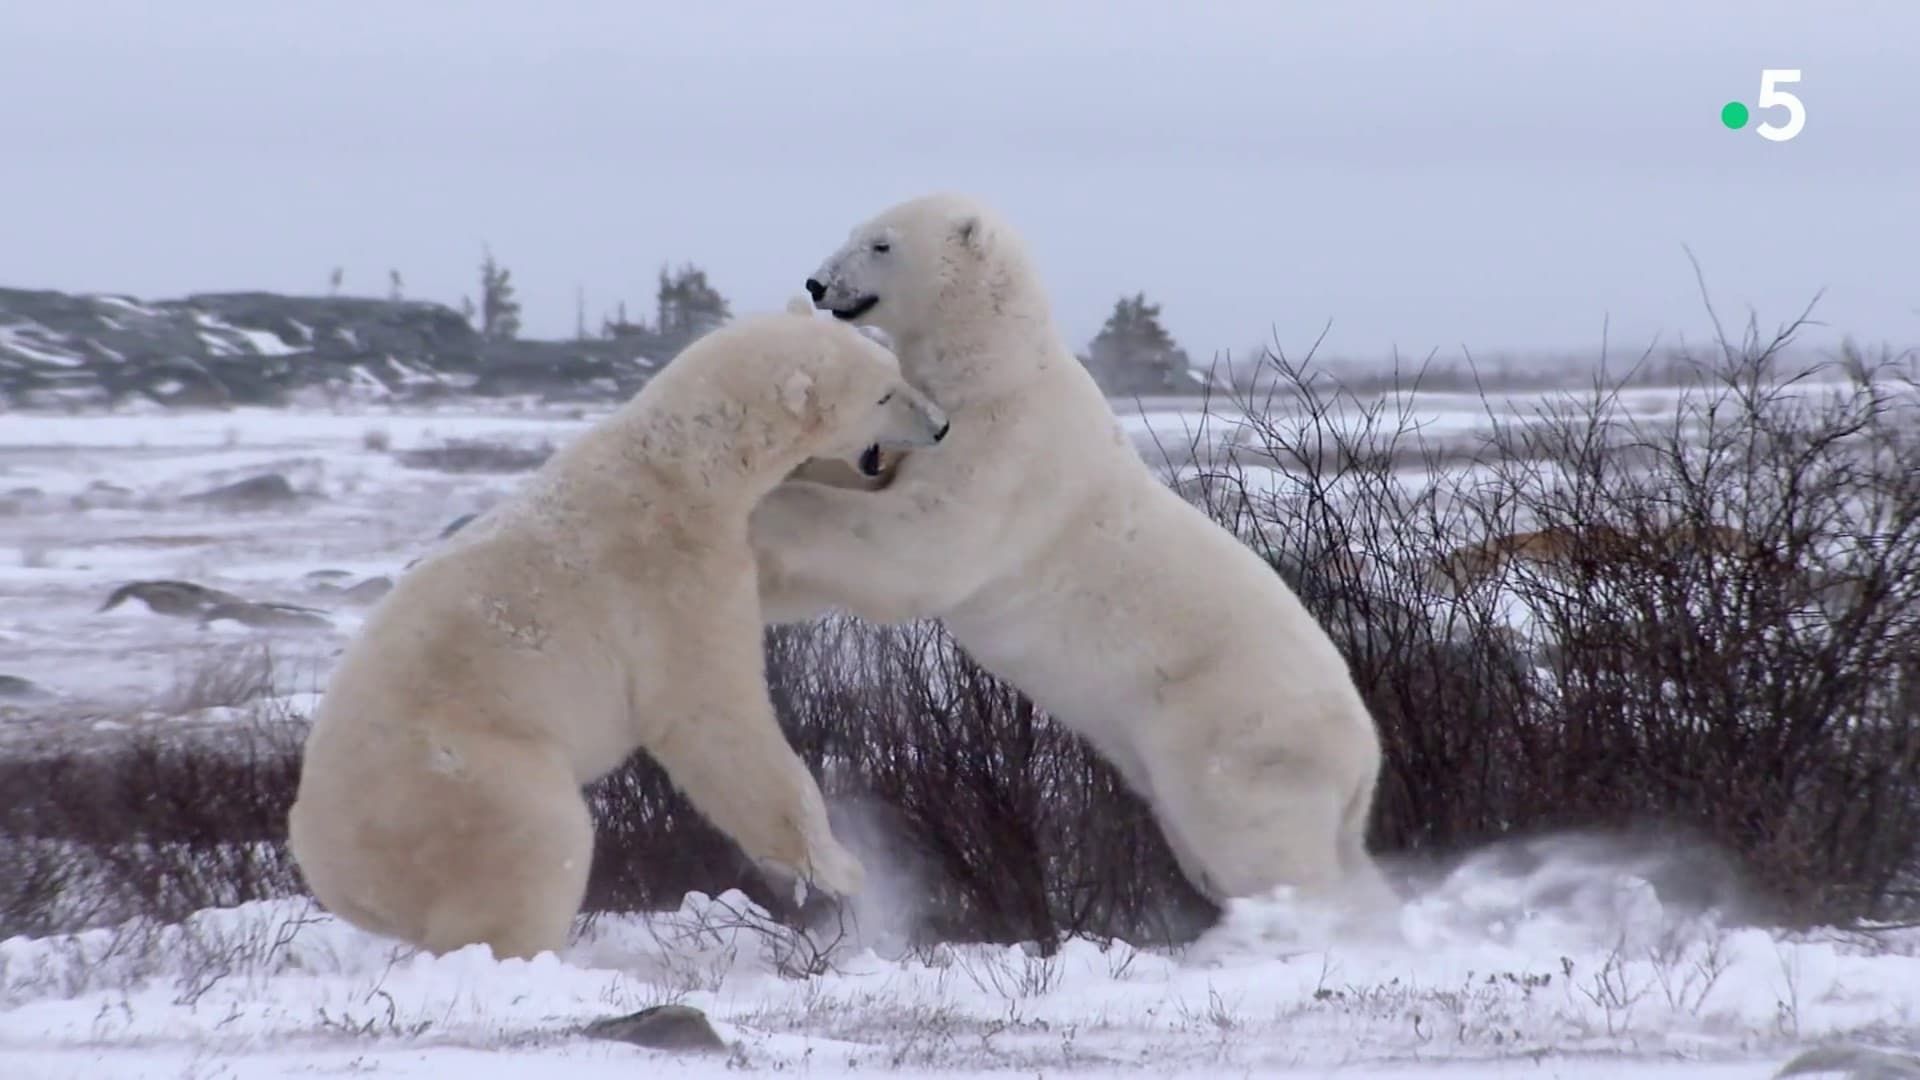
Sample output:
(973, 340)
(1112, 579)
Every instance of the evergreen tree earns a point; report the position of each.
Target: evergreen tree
(1134, 354)
(619, 326)
(499, 311)
(686, 306)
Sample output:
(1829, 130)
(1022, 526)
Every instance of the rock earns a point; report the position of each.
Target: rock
(19, 499)
(181, 599)
(457, 524)
(15, 688)
(1852, 1063)
(253, 493)
(476, 457)
(368, 591)
(185, 600)
(268, 616)
(662, 1027)
(101, 493)
(161, 540)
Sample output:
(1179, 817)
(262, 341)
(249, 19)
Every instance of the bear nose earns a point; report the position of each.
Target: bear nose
(942, 433)
(815, 290)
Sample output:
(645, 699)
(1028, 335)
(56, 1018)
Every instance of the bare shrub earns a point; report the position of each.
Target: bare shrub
(221, 678)
(1009, 826)
(149, 826)
(651, 847)
(1006, 827)
(1718, 609)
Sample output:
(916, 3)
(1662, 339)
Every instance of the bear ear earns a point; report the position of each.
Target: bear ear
(973, 233)
(797, 393)
(799, 305)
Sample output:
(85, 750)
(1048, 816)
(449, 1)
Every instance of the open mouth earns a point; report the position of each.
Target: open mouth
(856, 309)
(870, 463)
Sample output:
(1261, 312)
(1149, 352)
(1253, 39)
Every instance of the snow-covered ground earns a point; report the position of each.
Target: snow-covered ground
(1485, 975)
(1579, 970)
(88, 503)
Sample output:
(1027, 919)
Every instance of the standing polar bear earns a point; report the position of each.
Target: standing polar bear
(612, 606)
(1039, 536)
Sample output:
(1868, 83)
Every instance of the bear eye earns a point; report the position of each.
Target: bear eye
(882, 246)
(888, 398)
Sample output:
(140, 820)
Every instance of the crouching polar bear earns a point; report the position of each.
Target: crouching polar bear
(611, 606)
(1039, 536)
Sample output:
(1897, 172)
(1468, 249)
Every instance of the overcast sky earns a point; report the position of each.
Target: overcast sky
(1497, 175)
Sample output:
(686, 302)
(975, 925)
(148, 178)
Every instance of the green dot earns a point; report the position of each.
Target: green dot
(1734, 115)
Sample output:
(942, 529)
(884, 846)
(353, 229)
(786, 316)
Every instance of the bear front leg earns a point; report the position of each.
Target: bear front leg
(734, 764)
(786, 599)
(881, 555)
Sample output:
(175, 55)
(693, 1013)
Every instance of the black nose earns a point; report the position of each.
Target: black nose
(942, 433)
(815, 290)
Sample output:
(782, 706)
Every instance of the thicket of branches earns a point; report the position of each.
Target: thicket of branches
(1721, 637)
(1704, 617)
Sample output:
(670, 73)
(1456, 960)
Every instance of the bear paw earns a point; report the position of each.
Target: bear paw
(835, 869)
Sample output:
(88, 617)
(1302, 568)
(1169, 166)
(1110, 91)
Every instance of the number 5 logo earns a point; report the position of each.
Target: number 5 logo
(1771, 95)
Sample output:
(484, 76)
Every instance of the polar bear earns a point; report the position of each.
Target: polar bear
(1054, 555)
(611, 606)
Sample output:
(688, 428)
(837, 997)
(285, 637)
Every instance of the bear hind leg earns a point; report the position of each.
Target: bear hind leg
(520, 875)
(526, 910)
(1242, 830)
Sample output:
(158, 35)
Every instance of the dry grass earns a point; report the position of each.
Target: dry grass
(220, 678)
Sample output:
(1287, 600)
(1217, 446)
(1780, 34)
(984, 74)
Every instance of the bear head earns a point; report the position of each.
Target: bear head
(931, 268)
(846, 397)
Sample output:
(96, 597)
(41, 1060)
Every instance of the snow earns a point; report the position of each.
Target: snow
(216, 345)
(128, 303)
(367, 383)
(410, 375)
(368, 513)
(1479, 977)
(14, 339)
(257, 427)
(261, 341)
(219, 336)
(96, 501)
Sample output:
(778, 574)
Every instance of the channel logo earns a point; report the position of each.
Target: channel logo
(1735, 114)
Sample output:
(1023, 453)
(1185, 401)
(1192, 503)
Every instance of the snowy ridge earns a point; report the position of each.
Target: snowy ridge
(60, 351)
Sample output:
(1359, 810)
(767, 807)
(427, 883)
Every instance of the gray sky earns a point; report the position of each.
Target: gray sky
(1502, 175)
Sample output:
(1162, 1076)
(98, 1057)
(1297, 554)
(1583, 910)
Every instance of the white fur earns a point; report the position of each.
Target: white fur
(1056, 557)
(611, 607)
